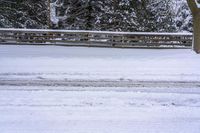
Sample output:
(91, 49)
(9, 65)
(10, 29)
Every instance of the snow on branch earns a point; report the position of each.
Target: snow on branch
(53, 17)
(197, 3)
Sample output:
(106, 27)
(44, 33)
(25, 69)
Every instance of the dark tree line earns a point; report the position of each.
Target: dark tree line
(113, 15)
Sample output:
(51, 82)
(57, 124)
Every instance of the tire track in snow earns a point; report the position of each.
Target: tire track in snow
(99, 83)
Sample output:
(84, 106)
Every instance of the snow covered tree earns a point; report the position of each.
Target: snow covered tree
(23, 13)
(195, 9)
(72, 14)
(114, 15)
(181, 16)
(153, 15)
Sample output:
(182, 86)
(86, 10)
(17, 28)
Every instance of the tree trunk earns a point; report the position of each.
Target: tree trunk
(196, 42)
(196, 25)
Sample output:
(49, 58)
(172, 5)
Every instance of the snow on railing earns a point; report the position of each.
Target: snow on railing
(95, 38)
(88, 31)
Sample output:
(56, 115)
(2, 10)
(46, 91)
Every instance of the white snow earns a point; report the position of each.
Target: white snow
(61, 110)
(54, 19)
(95, 32)
(197, 3)
(49, 109)
(51, 62)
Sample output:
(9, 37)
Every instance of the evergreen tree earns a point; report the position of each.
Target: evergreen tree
(153, 15)
(23, 13)
(113, 15)
(182, 16)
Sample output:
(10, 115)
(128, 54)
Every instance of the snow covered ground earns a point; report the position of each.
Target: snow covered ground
(69, 63)
(102, 110)
(51, 89)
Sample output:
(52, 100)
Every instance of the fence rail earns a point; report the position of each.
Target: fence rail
(95, 38)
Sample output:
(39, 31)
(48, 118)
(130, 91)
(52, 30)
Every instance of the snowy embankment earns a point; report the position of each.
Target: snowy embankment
(120, 90)
(73, 63)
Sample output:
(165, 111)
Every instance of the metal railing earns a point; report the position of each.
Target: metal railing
(95, 38)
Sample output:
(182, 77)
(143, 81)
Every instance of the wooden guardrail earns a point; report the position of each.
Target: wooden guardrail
(95, 38)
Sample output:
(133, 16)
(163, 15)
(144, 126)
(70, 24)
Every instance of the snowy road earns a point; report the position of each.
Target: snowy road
(49, 89)
(99, 110)
(99, 83)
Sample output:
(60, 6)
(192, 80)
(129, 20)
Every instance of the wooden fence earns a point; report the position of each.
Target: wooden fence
(95, 38)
